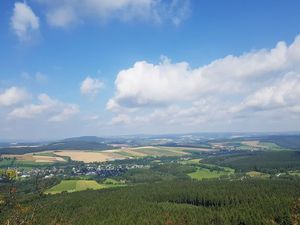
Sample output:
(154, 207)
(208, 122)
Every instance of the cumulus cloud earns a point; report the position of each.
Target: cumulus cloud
(120, 119)
(53, 109)
(24, 21)
(67, 112)
(194, 114)
(147, 84)
(61, 17)
(13, 95)
(91, 86)
(257, 80)
(285, 93)
(62, 13)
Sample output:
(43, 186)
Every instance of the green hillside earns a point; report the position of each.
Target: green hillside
(78, 185)
(252, 201)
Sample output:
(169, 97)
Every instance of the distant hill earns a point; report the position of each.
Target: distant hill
(285, 141)
(84, 139)
(76, 143)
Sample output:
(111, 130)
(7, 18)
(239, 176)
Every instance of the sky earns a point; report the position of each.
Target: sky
(106, 68)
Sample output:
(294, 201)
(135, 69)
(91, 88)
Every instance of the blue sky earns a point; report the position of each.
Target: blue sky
(101, 67)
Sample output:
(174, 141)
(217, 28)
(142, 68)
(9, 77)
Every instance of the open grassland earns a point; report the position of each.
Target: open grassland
(203, 173)
(208, 171)
(80, 185)
(159, 151)
(166, 151)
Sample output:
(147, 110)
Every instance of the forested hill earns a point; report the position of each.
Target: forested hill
(80, 143)
(268, 202)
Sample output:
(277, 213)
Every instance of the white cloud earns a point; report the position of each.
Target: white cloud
(120, 119)
(147, 84)
(284, 93)
(62, 13)
(61, 17)
(46, 104)
(226, 89)
(67, 112)
(24, 21)
(12, 96)
(91, 86)
(47, 107)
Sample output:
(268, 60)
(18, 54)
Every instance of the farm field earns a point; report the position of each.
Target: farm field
(190, 161)
(207, 171)
(254, 145)
(158, 151)
(203, 173)
(118, 154)
(29, 159)
(90, 156)
(79, 185)
(261, 145)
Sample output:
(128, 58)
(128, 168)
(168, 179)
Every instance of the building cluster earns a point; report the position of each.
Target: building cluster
(94, 169)
(103, 170)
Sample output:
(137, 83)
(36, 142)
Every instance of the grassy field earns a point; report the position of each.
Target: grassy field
(79, 185)
(257, 174)
(208, 171)
(295, 173)
(157, 151)
(202, 173)
(111, 181)
(31, 160)
(6, 162)
(259, 145)
(190, 161)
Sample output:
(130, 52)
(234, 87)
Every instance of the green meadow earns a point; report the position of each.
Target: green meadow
(202, 173)
(79, 185)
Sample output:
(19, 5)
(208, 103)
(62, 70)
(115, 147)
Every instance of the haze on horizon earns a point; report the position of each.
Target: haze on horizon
(105, 68)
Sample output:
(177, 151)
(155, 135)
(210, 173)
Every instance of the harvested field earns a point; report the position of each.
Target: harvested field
(36, 158)
(48, 159)
(88, 156)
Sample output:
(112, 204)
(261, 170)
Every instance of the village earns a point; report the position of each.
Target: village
(100, 170)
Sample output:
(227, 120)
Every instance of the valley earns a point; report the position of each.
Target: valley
(214, 176)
